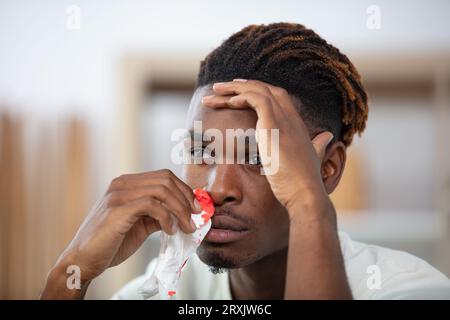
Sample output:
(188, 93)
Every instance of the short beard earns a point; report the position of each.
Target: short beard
(217, 263)
(217, 270)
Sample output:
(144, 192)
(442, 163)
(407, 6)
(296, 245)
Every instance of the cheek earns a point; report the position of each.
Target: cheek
(273, 217)
(276, 228)
(259, 192)
(262, 200)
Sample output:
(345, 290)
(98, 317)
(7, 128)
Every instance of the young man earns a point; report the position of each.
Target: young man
(276, 234)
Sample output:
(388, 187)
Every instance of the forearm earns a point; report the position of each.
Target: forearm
(56, 287)
(315, 267)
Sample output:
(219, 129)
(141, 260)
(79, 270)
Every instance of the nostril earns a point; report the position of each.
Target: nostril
(229, 199)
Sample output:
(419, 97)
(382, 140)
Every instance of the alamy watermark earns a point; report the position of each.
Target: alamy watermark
(374, 280)
(198, 146)
(73, 20)
(373, 21)
(74, 277)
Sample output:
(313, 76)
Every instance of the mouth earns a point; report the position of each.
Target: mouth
(225, 229)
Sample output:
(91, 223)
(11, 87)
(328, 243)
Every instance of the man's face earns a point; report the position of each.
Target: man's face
(249, 223)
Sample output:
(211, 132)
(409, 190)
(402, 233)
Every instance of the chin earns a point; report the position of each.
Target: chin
(231, 255)
(218, 256)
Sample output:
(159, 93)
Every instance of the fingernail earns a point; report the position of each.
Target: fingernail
(218, 84)
(197, 206)
(174, 228)
(206, 98)
(331, 138)
(193, 225)
(240, 80)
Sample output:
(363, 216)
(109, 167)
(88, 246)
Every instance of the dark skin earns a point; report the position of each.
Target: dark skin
(243, 190)
(292, 234)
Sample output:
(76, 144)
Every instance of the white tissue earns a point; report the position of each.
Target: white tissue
(173, 255)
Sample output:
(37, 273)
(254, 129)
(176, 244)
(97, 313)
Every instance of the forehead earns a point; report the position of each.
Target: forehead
(221, 119)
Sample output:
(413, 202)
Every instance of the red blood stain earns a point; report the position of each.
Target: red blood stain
(184, 263)
(206, 203)
(206, 217)
(171, 292)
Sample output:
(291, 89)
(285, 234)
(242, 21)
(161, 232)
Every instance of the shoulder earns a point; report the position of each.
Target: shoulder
(375, 272)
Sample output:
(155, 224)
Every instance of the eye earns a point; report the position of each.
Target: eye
(254, 159)
(197, 152)
(201, 153)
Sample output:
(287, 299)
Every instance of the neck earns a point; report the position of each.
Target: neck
(264, 279)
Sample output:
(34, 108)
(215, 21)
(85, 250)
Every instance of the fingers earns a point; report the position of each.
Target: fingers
(217, 101)
(165, 177)
(160, 193)
(189, 194)
(226, 93)
(271, 103)
(238, 86)
(320, 143)
(148, 207)
(169, 179)
(162, 186)
(261, 104)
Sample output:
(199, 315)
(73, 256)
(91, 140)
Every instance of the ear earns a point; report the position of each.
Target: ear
(333, 165)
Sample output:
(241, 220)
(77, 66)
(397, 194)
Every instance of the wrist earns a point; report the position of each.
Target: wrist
(65, 281)
(311, 204)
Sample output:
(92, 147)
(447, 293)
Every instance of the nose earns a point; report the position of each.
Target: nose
(224, 184)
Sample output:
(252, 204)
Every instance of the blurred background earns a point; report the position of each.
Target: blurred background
(92, 89)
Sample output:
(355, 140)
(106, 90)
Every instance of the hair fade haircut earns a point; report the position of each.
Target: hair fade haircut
(288, 55)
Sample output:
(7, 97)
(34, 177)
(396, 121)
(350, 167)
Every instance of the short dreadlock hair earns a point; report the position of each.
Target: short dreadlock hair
(295, 58)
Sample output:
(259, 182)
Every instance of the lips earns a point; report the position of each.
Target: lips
(220, 221)
(225, 229)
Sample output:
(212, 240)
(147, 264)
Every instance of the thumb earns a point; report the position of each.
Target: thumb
(320, 143)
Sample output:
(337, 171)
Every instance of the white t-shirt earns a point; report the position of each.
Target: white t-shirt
(373, 272)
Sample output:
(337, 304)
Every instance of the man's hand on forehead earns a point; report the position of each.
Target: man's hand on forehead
(299, 158)
(241, 93)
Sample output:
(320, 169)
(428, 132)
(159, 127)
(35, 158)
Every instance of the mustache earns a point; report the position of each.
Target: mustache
(226, 211)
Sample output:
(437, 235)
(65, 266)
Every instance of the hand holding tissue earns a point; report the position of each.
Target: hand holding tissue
(175, 251)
